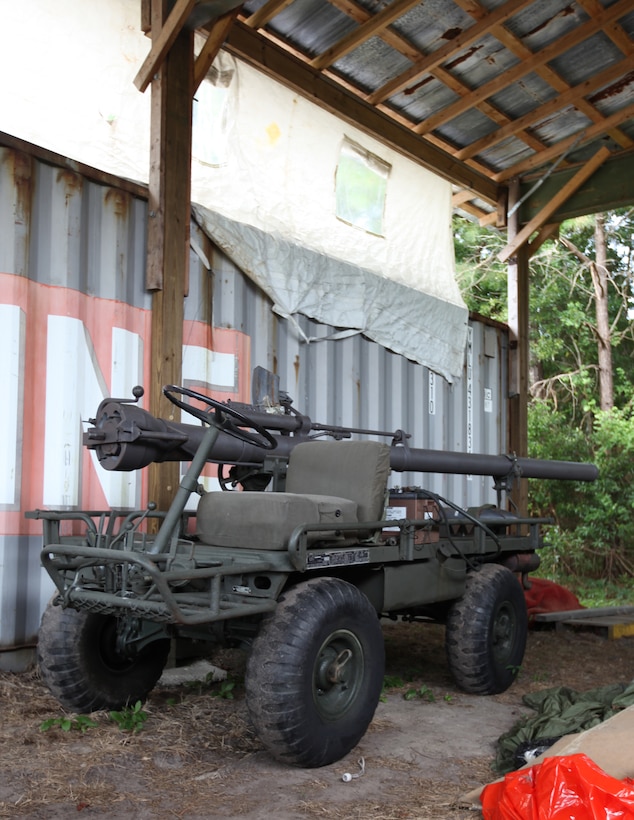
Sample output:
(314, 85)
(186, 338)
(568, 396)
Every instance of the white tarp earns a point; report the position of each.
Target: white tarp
(75, 95)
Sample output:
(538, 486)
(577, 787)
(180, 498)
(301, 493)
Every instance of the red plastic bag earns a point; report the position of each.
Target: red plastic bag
(572, 787)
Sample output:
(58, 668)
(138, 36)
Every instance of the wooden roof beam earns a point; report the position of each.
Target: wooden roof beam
(436, 58)
(265, 13)
(375, 24)
(163, 41)
(548, 74)
(583, 32)
(571, 97)
(523, 236)
(215, 38)
(584, 136)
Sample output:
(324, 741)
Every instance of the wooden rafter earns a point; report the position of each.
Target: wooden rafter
(546, 72)
(572, 97)
(438, 57)
(216, 37)
(544, 215)
(556, 150)
(360, 35)
(162, 42)
(443, 143)
(547, 54)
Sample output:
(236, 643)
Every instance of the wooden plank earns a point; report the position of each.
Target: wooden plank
(216, 37)
(609, 188)
(437, 57)
(545, 233)
(377, 22)
(570, 97)
(613, 628)
(168, 232)
(266, 12)
(561, 196)
(580, 614)
(586, 135)
(547, 54)
(162, 42)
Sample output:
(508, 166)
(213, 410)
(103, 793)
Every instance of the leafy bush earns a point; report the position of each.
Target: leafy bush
(595, 526)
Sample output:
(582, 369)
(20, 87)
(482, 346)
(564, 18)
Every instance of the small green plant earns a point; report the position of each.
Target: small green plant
(448, 698)
(390, 682)
(224, 689)
(80, 723)
(423, 693)
(130, 718)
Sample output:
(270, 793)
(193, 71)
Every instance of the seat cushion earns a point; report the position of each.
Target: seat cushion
(348, 469)
(253, 520)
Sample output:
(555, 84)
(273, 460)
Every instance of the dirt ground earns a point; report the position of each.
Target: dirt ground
(196, 756)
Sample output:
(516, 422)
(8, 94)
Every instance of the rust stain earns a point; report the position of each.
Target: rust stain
(21, 168)
(612, 90)
(296, 368)
(119, 200)
(451, 33)
(464, 56)
(416, 86)
(72, 183)
(566, 12)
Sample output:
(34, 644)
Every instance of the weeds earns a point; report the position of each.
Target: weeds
(130, 718)
(80, 723)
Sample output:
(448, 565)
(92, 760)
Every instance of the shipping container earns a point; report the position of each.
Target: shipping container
(75, 327)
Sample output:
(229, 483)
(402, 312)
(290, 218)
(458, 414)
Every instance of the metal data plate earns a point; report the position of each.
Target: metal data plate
(337, 558)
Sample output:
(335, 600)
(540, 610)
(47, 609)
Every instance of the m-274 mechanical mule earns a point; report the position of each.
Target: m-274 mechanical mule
(297, 566)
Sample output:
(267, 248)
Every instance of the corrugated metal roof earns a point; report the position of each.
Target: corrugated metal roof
(490, 90)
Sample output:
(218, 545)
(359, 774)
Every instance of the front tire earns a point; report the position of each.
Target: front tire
(79, 662)
(486, 631)
(315, 673)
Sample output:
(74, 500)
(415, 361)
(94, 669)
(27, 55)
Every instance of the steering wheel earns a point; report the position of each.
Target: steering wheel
(224, 417)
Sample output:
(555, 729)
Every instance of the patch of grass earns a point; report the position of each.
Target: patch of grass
(79, 723)
(422, 693)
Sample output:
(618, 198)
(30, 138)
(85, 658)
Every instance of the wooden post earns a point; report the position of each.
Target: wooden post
(518, 308)
(169, 206)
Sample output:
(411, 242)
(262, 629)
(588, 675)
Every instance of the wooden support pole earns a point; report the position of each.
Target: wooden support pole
(518, 311)
(169, 207)
(162, 41)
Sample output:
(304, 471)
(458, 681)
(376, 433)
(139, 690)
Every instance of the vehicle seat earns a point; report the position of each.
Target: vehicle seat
(326, 482)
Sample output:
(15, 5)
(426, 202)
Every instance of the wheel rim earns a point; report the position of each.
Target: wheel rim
(503, 634)
(338, 674)
(108, 653)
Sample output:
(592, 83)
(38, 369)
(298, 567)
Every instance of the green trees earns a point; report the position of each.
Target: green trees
(581, 378)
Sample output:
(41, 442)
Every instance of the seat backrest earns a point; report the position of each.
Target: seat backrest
(357, 470)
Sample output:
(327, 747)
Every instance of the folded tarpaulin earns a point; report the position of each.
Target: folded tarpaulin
(561, 711)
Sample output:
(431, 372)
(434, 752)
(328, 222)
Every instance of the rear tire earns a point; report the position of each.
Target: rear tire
(80, 664)
(486, 631)
(315, 673)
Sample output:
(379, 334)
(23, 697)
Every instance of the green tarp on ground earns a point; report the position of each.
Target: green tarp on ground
(560, 711)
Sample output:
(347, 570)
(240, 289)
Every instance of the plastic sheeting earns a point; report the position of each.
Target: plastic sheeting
(560, 788)
(421, 327)
(274, 171)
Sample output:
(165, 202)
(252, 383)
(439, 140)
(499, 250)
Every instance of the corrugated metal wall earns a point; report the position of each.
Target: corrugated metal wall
(355, 382)
(74, 326)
